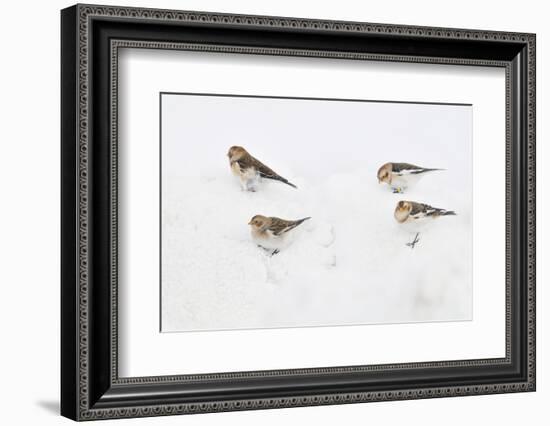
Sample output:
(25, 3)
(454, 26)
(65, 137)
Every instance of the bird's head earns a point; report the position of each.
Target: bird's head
(403, 206)
(236, 152)
(384, 173)
(259, 222)
(402, 211)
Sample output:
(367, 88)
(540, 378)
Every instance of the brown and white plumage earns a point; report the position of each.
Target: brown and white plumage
(250, 170)
(400, 176)
(410, 211)
(271, 232)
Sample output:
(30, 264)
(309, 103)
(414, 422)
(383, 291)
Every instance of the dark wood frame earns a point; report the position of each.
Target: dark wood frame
(90, 386)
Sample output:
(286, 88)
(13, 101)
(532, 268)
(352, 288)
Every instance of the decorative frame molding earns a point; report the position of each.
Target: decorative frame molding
(91, 388)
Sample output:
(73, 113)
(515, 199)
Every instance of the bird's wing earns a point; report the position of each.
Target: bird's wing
(402, 169)
(263, 170)
(280, 226)
(420, 210)
(248, 162)
(244, 163)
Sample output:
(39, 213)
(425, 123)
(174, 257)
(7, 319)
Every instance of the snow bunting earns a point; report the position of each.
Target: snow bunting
(271, 233)
(400, 176)
(250, 170)
(409, 211)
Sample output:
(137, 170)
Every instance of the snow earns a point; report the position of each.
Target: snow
(349, 264)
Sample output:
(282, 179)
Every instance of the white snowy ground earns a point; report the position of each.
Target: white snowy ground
(349, 264)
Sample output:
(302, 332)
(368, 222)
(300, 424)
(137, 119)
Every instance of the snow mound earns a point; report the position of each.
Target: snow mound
(348, 264)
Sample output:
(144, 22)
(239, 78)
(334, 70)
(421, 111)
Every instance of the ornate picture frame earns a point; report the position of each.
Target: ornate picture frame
(91, 37)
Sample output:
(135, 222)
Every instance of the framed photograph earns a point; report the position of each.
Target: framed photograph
(263, 212)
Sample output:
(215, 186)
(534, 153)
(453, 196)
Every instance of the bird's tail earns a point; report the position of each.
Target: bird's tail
(300, 221)
(296, 223)
(432, 170)
(448, 213)
(282, 179)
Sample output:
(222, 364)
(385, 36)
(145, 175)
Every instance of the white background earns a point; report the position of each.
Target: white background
(29, 171)
(331, 150)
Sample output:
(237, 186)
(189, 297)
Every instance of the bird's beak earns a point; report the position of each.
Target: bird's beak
(250, 223)
(379, 181)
